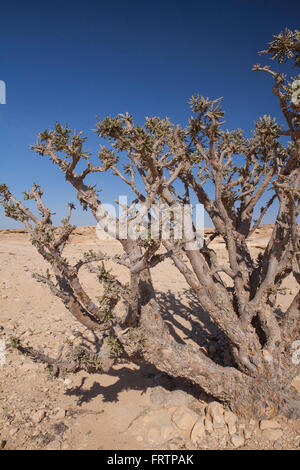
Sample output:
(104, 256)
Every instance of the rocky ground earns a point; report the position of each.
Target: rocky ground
(132, 407)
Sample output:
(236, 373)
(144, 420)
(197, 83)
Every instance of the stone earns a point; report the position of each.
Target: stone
(168, 432)
(154, 436)
(176, 444)
(53, 445)
(18, 416)
(27, 367)
(220, 430)
(13, 432)
(158, 396)
(208, 425)
(247, 433)
(269, 424)
(222, 442)
(297, 441)
(237, 441)
(198, 431)
(267, 356)
(27, 333)
(38, 416)
(210, 443)
(296, 383)
(178, 398)
(60, 414)
(272, 434)
(8, 284)
(219, 426)
(241, 429)
(229, 417)
(215, 411)
(184, 418)
(231, 429)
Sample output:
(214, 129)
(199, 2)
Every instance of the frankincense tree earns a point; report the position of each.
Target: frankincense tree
(168, 164)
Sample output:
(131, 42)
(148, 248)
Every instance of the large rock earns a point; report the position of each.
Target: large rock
(237, 441)
(154, 435)
(230, 418)
(168, 432)
(158, 396)
(178, 398)
(272, 434)
(184, 418)
(59, 414)
(232, 429)
(208, 425)
(269, 424)
(215, 412)
(247, 433)
(296, 383)
(198, 431)
(220, 430)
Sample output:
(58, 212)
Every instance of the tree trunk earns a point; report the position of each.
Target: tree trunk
(262, 396)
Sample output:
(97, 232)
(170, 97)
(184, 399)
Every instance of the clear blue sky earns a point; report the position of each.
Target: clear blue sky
(70, 61)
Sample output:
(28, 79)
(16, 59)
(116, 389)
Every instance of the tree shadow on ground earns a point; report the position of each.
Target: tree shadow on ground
(147, 376)
(128, 379)
(186, 321)
(196, 324)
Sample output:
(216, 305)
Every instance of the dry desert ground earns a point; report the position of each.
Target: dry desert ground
(132, 407)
